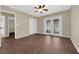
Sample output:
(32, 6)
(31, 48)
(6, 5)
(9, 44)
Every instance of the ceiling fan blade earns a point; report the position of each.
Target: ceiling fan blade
(43, 6)
(40, 6)
(36, 10)
(41, 12)
(45, 9)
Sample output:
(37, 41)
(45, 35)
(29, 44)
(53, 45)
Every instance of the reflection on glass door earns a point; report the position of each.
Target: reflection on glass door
(48, 26)
(56, 26)
(53, 25)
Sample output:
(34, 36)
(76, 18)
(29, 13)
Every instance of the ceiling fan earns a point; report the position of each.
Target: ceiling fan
(40, 8)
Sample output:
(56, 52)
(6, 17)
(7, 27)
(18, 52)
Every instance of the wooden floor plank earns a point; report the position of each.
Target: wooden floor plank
(37, 44)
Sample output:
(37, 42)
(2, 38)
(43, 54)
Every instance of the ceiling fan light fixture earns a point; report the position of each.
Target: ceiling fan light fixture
(40, 8)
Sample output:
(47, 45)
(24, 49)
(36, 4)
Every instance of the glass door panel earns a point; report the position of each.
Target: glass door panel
(47, 26)
(56, 26)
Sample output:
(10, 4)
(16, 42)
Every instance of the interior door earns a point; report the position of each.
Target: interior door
(2, 26)
(32, 26)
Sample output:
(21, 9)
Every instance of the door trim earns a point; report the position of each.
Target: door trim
(60, 22)
(4, 27)
(45, 19)
(14, 19)
(30, 27)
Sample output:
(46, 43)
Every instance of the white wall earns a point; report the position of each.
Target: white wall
(32, 26)
(0, 34)
(11, 25)
(75, 26)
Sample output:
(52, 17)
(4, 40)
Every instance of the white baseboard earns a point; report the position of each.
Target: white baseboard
(24, 36)
(56, 35)
(75, 45)
(21, 36)
(65, 36)
(36, 33)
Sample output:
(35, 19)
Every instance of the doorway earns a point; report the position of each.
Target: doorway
(32, 26)
(53, 25)
(9, 24)
(2, 26)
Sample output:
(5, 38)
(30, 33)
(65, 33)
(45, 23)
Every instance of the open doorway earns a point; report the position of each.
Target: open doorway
(9, 24)
(32, 26)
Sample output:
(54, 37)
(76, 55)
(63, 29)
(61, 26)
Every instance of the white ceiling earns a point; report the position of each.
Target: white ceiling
(29, 9)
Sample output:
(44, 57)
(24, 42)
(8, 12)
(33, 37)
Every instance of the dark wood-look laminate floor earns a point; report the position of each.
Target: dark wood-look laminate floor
(37, 44)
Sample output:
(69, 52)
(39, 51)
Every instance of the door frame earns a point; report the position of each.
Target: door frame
(9, 22)
(30, 33)
(14, 19)
(45, 19)
(4, 26)
(60, 22)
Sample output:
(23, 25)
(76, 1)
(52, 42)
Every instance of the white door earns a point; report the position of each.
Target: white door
(57, 25)
(32, 26)
(53, 25)
(2, 26)
(47, 26)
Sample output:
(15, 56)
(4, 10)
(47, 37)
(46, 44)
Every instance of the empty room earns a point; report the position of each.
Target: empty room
(39, 29)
